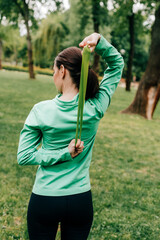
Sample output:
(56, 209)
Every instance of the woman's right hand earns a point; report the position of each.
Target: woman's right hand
(75, 150)
(91, 41)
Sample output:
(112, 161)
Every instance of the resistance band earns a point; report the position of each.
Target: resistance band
(82, 89)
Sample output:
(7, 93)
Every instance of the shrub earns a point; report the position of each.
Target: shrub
(37, 70)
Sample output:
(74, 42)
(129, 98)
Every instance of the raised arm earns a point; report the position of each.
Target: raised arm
(112, 74)
(30, 139)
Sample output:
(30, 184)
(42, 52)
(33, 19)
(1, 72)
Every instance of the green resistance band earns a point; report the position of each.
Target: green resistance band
(82, 89)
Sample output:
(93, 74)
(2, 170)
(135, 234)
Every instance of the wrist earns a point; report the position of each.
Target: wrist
(99, 37)
(69, 150)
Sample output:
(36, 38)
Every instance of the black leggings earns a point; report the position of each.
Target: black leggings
(73, 212)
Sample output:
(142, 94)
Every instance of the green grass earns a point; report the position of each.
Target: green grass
(124, 171)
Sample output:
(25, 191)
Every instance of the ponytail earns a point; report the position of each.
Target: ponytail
(92, 84)
(71, 59)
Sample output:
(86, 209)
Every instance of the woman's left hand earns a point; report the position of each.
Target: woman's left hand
(74, 151)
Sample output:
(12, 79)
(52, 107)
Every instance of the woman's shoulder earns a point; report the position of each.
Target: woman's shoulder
(42, 105)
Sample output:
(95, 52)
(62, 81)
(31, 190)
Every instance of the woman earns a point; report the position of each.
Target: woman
(62, 192)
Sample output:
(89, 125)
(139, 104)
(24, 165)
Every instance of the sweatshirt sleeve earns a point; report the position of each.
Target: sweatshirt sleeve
(30, 139)
(112, 74)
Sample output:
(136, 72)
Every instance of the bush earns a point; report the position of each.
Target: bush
(37, 70)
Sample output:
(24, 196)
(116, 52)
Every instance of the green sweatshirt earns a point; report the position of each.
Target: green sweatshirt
(53, 122)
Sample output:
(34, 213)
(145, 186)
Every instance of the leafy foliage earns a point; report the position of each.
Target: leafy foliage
(120, 34)
(49, 38)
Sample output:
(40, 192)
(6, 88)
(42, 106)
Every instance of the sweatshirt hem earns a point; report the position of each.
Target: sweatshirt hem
(62, 192)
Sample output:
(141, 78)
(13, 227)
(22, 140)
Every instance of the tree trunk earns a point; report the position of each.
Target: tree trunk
(148, 92)
(96, 23)
(0, 54)
(23, 8)
(30, 54)
(131, 52)
(25, 14)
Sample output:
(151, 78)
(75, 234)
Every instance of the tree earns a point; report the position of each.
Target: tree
(5, 34)
(96, 25)
(12, 9)
(148, 92)
(131, 17)
(78, 19)
(2, 37)
(124, 10)
(130, 33)
(13, 45)
(25, 12)
(99, 16)
(49, 39)
(91, 15)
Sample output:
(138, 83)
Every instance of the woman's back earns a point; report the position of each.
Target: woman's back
(56, 120)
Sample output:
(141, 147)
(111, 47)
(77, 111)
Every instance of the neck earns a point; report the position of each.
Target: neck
(69, 93)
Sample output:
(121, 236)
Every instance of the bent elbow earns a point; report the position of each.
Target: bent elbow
(21, 160)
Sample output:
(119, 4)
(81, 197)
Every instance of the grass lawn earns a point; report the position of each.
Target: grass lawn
(125, 168)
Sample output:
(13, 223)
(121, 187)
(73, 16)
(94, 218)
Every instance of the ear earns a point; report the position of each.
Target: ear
(63, 71)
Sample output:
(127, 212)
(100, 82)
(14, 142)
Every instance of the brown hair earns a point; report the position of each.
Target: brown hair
(71, 59)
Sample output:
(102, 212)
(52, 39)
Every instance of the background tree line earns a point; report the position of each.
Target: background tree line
(126, 26)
